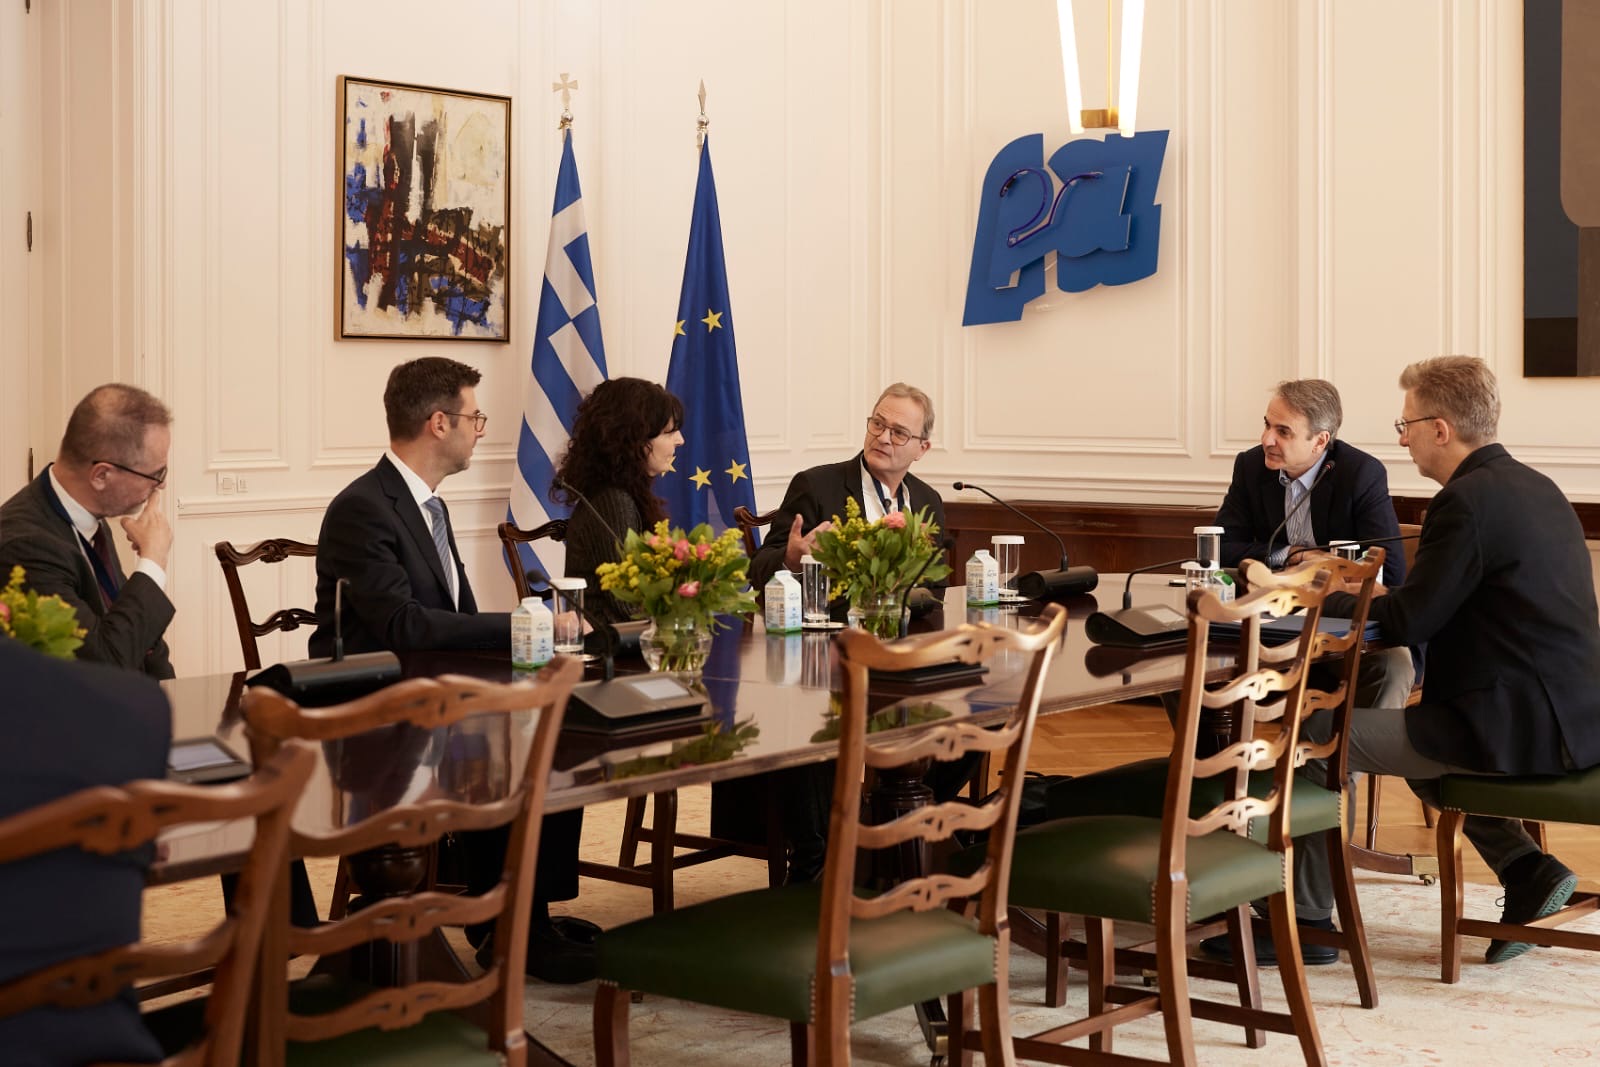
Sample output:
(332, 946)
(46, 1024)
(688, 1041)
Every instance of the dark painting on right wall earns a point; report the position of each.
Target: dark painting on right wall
(1561, 189)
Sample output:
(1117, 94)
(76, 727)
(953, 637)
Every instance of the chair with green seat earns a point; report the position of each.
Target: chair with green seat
(1319, 807)
(1573, 798)
(1167, 869)
(822, 956)
(389, 826)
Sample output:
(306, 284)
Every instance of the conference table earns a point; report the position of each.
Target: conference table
(768, 708)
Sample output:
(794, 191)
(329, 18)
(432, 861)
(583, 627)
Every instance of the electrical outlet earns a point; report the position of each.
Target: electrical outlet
(226, 483)
(242, 487)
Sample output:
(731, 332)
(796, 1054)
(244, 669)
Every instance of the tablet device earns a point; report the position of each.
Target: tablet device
(203, 760)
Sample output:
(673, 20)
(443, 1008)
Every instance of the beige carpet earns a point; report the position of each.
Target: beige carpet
(1539, 1009)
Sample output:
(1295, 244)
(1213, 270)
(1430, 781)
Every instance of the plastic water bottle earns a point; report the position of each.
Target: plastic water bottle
(532, 634)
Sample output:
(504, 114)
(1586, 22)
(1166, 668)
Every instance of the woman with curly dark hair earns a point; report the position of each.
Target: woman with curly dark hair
(624, 436)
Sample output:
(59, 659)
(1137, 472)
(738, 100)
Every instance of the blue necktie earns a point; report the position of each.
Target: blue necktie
(441, 542)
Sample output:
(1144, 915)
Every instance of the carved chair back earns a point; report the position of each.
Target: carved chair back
(272, 550)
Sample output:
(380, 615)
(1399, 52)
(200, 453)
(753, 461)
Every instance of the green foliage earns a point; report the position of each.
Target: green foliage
(880, 558)
(714, 745)
(46, 623)
(672, 575)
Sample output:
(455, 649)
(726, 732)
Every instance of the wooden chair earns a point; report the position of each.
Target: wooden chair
(1572, 799)
(273, 550)
(1166, 869)
(106, 820)
(1136, 788)
(823, 956)
(512, 535)
(326, 1020)
(749, 522)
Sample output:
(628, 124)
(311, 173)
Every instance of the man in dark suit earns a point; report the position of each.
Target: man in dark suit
(112, 461)
(1502, 593)
(390, 536)
(879, 478)
(71, 726)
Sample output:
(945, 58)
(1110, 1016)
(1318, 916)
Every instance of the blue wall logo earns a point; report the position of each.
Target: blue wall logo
(1095, 208)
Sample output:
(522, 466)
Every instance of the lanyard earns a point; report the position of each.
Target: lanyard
(901, 499)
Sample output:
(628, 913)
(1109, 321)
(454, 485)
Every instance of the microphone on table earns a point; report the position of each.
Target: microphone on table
(319, 682)
(1065, 581)
(1305, 498)
(1146, 627)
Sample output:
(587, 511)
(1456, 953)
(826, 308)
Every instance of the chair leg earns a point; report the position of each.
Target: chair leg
(1447, 838)
(1101, 950)
(1246, 977)
(1374, 795)
(1292, 969)
(1348, 905)
(1172, 973)
(632, 825)
(611, 1026)
(802, 1043)
(1056, 930)
(1536, 831)
(994, 1016)
(961, 1015)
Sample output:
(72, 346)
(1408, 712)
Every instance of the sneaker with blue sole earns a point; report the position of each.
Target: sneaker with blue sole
(1544, 893)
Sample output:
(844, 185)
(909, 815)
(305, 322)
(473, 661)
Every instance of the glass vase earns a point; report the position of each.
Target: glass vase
(882, 615)
(678, 645)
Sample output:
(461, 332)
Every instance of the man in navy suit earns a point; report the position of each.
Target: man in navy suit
(112, 461)
(71, 726)
(390, 535)
(1502, 594)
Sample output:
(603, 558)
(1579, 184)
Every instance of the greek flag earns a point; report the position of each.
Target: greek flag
(569, 360)
(711, 473)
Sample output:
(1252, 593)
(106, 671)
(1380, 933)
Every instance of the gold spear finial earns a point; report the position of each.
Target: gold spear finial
(700, 126)
(564, 87)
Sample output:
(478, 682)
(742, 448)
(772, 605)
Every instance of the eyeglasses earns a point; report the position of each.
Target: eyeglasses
(479, 419)
(1401, 424)
(876, 427)
(159, 477)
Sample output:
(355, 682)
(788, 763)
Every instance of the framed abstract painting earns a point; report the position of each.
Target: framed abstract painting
(424, 212)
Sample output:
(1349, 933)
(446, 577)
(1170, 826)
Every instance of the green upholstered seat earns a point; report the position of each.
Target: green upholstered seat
(757, 952)
(1138, 788)
(1107, 865)
(1571, 798)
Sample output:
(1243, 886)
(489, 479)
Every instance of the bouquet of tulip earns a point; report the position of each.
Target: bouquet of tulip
(681, 577)
(879, 559)
(46, 623)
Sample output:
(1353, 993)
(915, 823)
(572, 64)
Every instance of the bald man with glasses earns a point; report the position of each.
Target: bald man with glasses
(112, 462)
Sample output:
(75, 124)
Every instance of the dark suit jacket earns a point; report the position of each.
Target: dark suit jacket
(819, 494)
(397, 600)
(69, 726)
(1350, 504)
(38, 538)
(1502, 591)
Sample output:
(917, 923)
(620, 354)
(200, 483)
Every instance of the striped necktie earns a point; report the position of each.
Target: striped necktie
(441, 541)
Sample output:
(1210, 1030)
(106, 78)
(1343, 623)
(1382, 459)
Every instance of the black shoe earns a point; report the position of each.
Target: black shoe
(1219, 949)
(1543, 893)
(560, 950)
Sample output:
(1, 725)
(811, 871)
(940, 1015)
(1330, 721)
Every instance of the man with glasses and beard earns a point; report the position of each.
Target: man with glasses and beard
(112, 462)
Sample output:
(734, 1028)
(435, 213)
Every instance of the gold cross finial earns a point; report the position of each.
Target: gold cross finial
(565, 87)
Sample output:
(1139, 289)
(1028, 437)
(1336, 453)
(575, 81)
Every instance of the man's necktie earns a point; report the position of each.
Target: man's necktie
(441, 541)
(101, 542)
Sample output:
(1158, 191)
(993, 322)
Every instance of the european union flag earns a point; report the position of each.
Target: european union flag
(711, 474)
(569, 360)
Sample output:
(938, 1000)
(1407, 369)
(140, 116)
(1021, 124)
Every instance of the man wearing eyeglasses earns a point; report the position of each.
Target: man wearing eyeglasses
(879, 478)
(112, 462)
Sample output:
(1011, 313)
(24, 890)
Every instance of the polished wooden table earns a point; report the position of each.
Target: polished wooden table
(770, 692)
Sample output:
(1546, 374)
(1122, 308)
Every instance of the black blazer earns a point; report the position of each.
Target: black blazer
(819, 494)
(397, 600)
(38, 538)
(1350, 504)
(69, 726)
(1502, 592)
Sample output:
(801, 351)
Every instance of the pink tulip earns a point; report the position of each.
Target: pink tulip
(681, 550)
(5, 613)
(894, 521)
(702, 551)
(689, 589)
